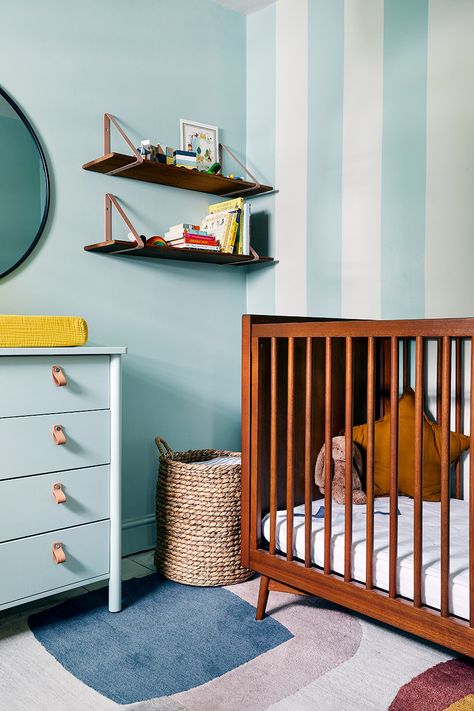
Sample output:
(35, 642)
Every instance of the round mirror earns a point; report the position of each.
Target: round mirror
(24, 186)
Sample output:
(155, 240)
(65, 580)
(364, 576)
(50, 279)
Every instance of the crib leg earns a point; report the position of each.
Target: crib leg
(262, 597)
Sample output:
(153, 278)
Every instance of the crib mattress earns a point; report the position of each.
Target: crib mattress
(431, 569)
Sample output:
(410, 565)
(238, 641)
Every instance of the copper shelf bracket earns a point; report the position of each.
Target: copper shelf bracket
(111, 200)
(257, 184)
(108, 118)
(255, 258)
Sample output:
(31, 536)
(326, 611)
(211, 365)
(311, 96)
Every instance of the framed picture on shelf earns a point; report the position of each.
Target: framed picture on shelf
(202, 139)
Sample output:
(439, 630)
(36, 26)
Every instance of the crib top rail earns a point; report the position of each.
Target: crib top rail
(426, 328)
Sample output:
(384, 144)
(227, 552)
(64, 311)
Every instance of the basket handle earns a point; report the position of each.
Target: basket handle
(163, 446)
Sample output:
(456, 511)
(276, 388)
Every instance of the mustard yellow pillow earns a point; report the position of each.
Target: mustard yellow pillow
(406, 451)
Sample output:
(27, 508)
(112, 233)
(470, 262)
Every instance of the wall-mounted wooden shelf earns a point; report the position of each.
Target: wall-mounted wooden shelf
(136, 167)
(175, 177)
(118, 248)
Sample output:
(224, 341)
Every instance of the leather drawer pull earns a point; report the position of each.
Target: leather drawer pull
(58, 376)
(58, 435)
(59, 555)
(58, 493)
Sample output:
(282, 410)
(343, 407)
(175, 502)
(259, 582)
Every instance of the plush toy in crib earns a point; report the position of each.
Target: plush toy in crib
(338, 481)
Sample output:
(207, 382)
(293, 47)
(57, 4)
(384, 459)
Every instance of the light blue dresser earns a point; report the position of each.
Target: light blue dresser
(60, 461)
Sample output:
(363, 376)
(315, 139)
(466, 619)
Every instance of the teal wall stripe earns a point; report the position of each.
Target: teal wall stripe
(404, 159)
(325, 107)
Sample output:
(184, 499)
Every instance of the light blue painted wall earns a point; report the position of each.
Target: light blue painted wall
(325, 115)
(67, 63)
(261, 88)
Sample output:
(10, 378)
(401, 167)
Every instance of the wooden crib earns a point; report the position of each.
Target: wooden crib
(304, 381)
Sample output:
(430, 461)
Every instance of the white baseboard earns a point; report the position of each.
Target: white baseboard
(138, 534)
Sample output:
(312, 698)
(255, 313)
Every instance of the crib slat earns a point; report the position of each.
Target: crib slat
(439, 377)
(328, 457)
(406, 364)
(471, 491)
(273, 443)
(445, 423)
(256, 446)
(348, 465)
(458, 410)
(289, 449)
(369, 556)
(385, 361)
(418, 474)
(392, 590)
(308, 488)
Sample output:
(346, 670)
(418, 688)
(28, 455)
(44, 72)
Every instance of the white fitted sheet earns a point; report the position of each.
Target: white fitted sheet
(431, 571)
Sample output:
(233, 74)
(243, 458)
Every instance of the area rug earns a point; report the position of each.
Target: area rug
(168, 638)
(178, 648)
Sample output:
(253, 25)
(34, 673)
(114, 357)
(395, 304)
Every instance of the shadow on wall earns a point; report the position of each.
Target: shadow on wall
(261, 232)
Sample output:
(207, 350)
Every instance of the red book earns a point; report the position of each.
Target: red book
(211, 241)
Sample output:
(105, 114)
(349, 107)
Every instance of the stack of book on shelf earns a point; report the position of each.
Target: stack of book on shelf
(226, 228)
(229, 222)
(185, 159)
(187, 236)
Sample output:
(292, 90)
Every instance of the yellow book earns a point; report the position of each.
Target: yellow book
(234, 229)
(230, 222)
(227, 205)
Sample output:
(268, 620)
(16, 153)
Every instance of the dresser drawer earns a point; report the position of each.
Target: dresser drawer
(28, 567)
(28, 507)
(27, 386)
(27, 445)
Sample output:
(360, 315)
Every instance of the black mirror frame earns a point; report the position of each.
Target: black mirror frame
(33, 244)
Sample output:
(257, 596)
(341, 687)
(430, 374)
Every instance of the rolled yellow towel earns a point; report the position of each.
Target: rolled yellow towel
(42, 331)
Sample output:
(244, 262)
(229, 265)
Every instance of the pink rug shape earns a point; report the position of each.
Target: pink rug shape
(437, 688)
(324, 637)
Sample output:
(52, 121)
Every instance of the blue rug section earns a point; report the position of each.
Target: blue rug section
(168, 638)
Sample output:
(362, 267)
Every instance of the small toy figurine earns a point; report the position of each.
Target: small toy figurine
(153, 153)
(156, 241)
(214, 169)
(144, 147)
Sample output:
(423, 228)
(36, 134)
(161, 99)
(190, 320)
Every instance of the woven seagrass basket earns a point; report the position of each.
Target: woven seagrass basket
(198, 517)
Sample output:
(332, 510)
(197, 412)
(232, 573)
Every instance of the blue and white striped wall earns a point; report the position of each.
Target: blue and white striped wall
(361, 112)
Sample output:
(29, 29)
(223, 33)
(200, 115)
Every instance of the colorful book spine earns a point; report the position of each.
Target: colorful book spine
(202, 247)
(193, 240)
(197, 232)
(183, 226)
(185, 159)
(173, 237)
(245, 230)
(233, 231)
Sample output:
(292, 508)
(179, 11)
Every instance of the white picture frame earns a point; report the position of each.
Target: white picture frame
(201, 138)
